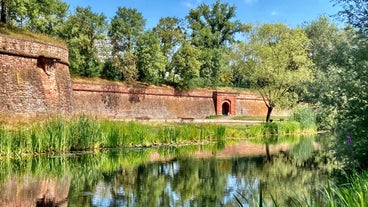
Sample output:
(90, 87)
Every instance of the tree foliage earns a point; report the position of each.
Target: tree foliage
(151, 62)
(35, 15)
(81, 31)
(355, 12)
(185, 66)
(126, 27)
(340, 89)
(212, 28)
(275, 62)
(170, 33)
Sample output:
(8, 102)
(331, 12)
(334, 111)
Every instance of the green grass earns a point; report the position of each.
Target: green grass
(213, 116)
(260, 118)
(25, 34)
(59, 135)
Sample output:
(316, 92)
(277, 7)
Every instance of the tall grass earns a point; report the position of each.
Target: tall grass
(305, 116)
(274, 128)
(354, 193)
(58, 135)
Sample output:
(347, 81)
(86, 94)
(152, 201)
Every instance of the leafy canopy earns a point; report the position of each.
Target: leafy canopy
(275, 62)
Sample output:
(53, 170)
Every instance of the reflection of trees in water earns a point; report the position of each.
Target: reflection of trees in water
(127, 178)
(293, 174)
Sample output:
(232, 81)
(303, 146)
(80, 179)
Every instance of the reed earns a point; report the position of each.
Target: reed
(353, 193)
(60, 135)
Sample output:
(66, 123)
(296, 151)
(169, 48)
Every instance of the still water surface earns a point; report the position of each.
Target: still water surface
(199, 175)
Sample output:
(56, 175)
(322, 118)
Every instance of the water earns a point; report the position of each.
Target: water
(198, 175)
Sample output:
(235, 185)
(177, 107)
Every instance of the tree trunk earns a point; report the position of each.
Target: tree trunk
(3, 11)
(268, 154)
(269, 111)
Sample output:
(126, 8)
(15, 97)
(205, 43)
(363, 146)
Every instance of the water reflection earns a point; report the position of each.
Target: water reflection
(200, 175)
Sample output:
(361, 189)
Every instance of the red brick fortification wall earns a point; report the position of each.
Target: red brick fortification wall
(129, 102)
(250, 105)
(35, 78)
(163, 103)
(253, 105)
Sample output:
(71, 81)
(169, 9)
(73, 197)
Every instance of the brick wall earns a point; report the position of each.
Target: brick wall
(35, 80)
(163, 103)
(129, 102)
(28, 87)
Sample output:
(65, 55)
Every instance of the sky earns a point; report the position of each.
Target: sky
(291, 12)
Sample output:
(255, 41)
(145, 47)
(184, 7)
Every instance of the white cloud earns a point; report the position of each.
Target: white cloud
(192, 3)
(274, 13)
(250, 1)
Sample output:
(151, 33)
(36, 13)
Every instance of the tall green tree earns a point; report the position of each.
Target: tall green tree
(212, 28)
(151, 62)
(35, 15)
(275, 62)
(355, 13)
(330, 51)
(3, 11)
(170, 31)
(351, 102)
(82, 30)
(342, 84)
(126, 27)
(185, 66)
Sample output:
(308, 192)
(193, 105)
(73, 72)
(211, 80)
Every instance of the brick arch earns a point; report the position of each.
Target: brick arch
(221, 98)
(226, 107)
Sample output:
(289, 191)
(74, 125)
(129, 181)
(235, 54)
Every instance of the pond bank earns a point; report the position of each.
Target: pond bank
(61, 135)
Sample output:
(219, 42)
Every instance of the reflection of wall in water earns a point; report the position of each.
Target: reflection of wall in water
(35, 192)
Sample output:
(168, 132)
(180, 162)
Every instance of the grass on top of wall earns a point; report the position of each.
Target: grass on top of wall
(61, 135)
(27, 35)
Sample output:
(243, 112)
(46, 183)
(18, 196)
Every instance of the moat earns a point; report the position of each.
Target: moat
(220, 174)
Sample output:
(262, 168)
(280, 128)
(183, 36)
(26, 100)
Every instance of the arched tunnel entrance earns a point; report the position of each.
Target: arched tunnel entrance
(225, 103)
(225, 108)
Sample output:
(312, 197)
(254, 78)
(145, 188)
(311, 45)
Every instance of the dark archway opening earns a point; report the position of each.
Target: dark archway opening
(225, 108)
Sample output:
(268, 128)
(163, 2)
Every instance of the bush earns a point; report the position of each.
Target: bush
(305, 116)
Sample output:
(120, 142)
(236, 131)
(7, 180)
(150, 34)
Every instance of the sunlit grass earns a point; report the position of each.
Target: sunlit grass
(25, 34)
(59, 135)
(261, 118)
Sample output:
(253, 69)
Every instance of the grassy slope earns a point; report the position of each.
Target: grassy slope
(24, 34)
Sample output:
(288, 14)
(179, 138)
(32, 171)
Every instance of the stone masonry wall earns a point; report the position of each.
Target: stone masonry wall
(120, 102)
(34, 79)
(129, 102)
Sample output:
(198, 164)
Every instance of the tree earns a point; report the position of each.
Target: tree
(34, 15)
(185, 65)
(81, 31)
(171, 35)
(46, 16)
(354, 12)
(126, 27)
(330, 51)
(276, 63)
(151, 62)
(3, 12)
(212, 29)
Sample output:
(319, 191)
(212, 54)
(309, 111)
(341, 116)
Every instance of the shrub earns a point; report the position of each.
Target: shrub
(305, 116)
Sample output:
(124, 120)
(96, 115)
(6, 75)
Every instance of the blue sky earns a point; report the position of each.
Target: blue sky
(290, 12)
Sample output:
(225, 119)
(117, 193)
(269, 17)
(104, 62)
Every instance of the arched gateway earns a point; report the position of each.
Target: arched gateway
(226, 108)
(225, 103)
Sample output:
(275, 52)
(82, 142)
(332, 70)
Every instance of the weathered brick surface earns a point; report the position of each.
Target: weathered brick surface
(35, 79)
(124, 102)
(129, 102)
(26, 88)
